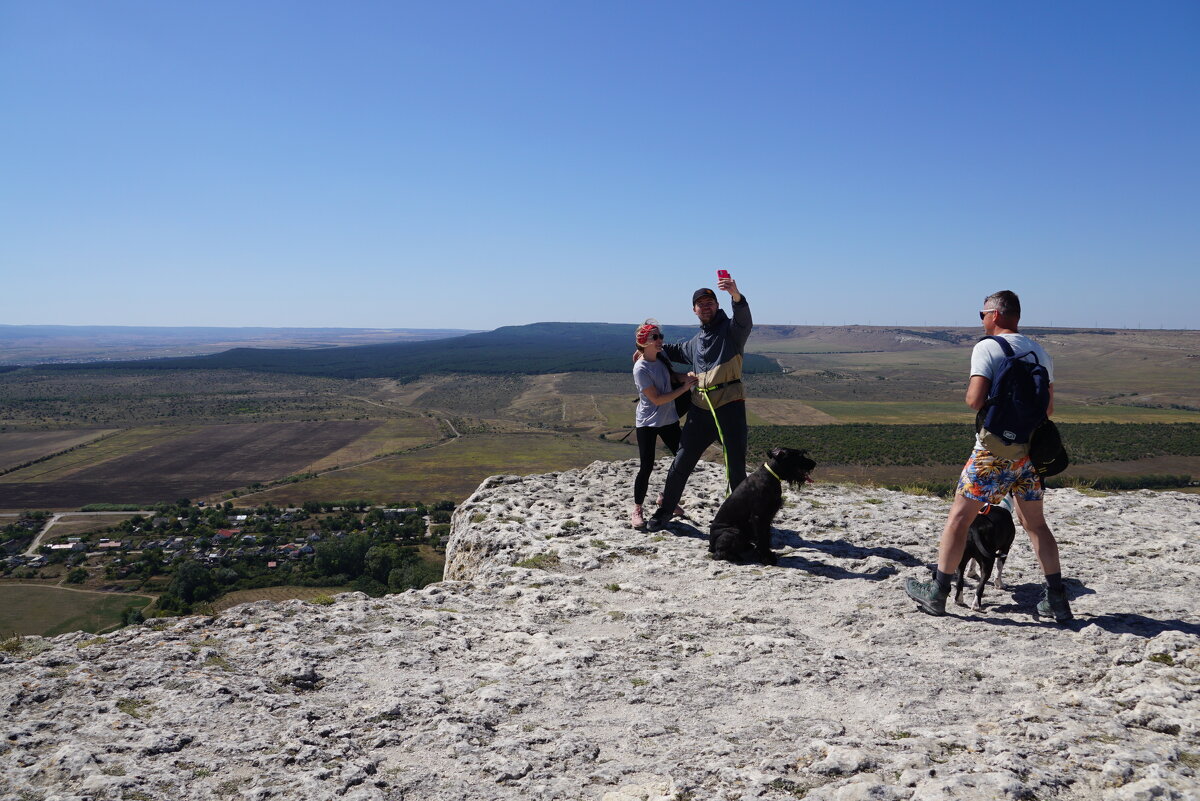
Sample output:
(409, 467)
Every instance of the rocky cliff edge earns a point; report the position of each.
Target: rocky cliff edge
(569, 657)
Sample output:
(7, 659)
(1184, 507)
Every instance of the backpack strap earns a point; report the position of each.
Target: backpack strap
(991, 399)
(1010, 353)
(1007, 348)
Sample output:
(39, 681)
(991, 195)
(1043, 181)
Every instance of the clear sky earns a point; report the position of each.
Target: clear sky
(451, 164)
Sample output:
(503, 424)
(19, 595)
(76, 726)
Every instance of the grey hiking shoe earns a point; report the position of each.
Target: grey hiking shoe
(1054, 604)
(930, 598)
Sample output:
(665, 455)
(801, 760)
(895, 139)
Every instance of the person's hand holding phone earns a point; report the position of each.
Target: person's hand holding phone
(726, 284)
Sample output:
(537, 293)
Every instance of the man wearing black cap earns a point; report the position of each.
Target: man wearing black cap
(715, 354)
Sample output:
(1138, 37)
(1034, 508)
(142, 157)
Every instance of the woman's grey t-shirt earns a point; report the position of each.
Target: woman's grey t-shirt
(653, 374)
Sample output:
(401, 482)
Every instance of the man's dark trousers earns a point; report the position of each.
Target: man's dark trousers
(699, 432)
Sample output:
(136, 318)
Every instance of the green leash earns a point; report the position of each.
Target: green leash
(721, 436)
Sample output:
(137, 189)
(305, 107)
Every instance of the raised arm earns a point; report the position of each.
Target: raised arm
(742, 321)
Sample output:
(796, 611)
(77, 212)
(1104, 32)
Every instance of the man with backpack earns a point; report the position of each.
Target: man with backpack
(1012, 386)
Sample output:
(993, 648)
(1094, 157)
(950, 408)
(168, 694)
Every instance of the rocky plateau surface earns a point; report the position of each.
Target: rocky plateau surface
(567, 656)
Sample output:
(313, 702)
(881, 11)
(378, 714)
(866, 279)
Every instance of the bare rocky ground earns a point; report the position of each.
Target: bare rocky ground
(569, 657)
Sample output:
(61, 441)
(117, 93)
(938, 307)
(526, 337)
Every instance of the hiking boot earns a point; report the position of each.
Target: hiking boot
(658, 521)
(1054, 604)
(636, 520)
(678, 509)
(930, 598)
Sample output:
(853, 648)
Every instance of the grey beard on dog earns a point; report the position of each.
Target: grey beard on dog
(742, 525)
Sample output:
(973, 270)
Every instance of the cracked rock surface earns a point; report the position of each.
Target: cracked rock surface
(567, 656)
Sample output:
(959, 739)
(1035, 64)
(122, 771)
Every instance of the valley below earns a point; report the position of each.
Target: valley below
(876, 406)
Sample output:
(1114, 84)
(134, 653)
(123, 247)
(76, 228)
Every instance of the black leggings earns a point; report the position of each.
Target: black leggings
(700, 432)
(647, 437)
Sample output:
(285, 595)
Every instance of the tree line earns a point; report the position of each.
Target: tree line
(876, 444)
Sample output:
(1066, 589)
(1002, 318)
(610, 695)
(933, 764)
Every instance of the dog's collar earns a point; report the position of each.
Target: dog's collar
(772, 472)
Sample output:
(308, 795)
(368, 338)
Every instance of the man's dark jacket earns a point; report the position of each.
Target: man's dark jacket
(715, 354)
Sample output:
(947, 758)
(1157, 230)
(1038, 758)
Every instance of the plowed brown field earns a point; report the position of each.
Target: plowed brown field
(198, 463)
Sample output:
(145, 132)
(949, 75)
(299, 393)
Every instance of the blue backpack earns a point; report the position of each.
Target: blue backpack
(1019, 396)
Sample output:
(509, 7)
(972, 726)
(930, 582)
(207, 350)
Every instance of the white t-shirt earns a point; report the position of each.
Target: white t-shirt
(653, 374)
(987, 356)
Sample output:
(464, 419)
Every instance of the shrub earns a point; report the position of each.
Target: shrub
(542, 561)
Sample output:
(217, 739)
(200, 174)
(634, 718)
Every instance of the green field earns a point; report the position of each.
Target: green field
(916, 412)
(27, 609)
(1074, 413)
(946, 443)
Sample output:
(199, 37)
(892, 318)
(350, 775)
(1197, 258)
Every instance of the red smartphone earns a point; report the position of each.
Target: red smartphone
(722, 274)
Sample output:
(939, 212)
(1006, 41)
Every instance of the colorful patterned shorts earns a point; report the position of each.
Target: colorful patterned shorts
(988, 478)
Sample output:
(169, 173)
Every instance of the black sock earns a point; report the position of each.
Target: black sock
(1054, 581)
(943, 580)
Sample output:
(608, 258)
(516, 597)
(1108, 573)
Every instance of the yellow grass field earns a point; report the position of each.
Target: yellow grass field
(75, 525)
(19, 447)
(618, 410)
(49, 611)
(389, 437)
(452, 470)
(783, 412)
(127, 442)
(895, 412)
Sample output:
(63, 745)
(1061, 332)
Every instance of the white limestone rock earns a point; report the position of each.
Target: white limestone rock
(569, 657)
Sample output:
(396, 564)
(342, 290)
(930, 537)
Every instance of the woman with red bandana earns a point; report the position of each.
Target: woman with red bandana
(656, 416)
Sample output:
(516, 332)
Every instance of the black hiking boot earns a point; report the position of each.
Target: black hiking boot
(658, 521)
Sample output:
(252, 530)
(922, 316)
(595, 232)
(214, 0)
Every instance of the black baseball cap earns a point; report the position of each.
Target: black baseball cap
(703, 292)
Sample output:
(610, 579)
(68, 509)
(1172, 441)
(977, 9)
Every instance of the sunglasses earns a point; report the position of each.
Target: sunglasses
(985, 312)
(655, 336)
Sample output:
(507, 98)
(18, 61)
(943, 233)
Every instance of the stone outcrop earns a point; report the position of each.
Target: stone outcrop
(567, 657)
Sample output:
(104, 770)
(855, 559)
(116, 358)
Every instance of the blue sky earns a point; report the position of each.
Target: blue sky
(477, 164)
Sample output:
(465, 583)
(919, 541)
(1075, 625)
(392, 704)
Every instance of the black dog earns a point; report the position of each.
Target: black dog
(743, 522)
(988, 541)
